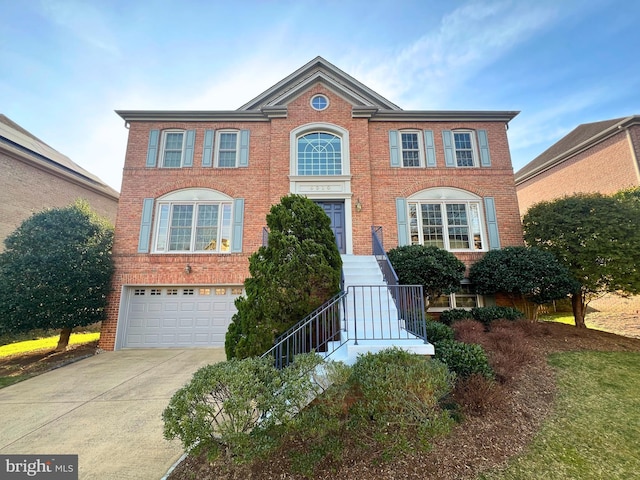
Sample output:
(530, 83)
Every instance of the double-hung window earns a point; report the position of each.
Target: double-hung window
(411, 149)
(463, 298)
(172, 148)
(193, 227)
(228, 148)
(319, 153)
(451, 225)
(465, 148)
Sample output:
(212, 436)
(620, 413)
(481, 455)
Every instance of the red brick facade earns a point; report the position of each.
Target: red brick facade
(373, 181)
(605, 167)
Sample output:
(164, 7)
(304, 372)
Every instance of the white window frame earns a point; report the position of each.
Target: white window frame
(453, 300)
(195, 197)
(420, 142)
(474, 148)
(297, 153)
(444, 197)
(165, 135)
(218, 145)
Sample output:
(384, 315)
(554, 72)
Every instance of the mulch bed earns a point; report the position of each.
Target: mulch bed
(479, 443)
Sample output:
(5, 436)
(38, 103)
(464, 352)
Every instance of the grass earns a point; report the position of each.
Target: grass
(48, 343)
(594, 433)
(562, 317)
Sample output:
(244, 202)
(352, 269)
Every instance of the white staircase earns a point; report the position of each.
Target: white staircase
(373, 322)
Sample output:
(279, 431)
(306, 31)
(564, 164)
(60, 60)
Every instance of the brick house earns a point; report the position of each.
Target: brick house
(35, 177)
(198, 185)
(594, 157)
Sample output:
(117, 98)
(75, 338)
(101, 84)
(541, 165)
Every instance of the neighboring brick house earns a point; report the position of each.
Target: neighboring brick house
(198, 185)
(594, 157)
(35, 177)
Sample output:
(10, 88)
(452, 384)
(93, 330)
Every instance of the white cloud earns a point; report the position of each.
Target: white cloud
(85, 21)
(471, 38)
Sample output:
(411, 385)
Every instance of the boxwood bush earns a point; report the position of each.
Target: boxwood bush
(486, 315)
(463, 358)
(449, 316)
(437, 331)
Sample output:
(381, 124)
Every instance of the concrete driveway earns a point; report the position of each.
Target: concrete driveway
(106, 409)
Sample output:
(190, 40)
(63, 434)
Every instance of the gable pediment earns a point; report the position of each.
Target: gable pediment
(276, 98)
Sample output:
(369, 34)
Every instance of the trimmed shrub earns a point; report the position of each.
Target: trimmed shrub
(400, 388)
(437, 331)
(449, 316)
(463, 358)
(227, 403)
(486, 315)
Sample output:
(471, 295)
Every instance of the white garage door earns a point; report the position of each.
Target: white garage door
(178, 316)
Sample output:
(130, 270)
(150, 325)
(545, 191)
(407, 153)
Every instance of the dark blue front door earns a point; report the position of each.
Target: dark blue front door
(335, 211)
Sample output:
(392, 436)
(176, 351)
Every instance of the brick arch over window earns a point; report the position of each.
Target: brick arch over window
(449, 218)
(192, 220)
(326, 140)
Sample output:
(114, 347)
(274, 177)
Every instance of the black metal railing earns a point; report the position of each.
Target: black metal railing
(388, 273)
(319, 332)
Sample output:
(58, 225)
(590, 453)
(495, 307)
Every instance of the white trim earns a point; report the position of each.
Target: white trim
(474, 147)
(163, 144)
(177, 198)
(319, 95)
(324, 187)
(442, 202)
(195, 195)
(217, 145)
(420, 141)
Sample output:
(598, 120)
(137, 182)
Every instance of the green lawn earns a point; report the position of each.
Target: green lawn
(595, 431)
(48, 343)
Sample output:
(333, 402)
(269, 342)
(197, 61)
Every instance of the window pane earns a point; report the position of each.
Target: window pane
(474, 217)
(458, 226)
(465, 298)
(227, 151)
(180, 231)
(319, 153)
(172, 149)
(225, 242)
(207, 228)
(464, 149)
(413, 225)
(443, 301)
(163, 228)
(432, 228)
(410, 150)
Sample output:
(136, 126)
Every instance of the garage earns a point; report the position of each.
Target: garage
(189, 316)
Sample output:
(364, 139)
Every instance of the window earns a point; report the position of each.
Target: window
(193, 227)
(451, 225)
(319, 102)
(464, 144)
(411, 149)
(172, 149)
(227, 151)
(319, 153)
(464, 298)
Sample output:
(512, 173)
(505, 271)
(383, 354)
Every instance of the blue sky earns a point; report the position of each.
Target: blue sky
(67, 65)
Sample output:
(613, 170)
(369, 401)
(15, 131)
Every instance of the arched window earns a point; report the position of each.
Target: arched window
(319, 153)
(193, 220)
(447, 218)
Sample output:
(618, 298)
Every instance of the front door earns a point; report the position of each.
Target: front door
(335, 211)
